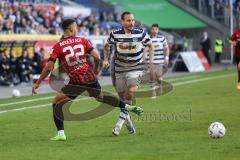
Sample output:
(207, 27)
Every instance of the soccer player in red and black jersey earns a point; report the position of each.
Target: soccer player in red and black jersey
(235, 41)
(71, 51)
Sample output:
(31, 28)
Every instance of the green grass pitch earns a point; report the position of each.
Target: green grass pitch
(178, 129)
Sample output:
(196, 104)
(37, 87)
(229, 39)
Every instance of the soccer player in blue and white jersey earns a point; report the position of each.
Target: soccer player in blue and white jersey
(161, 55)
(129, 43)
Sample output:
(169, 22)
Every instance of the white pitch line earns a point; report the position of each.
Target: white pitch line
(182, 78)
(201, 79)
(23, 108)
(25, 101)
(174, 84)
(36, 106)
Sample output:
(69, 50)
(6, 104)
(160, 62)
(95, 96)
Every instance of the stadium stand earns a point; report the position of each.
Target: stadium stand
(217, 9)
(21, 19)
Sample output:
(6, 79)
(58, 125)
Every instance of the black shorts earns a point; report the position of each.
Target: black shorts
(72, 91)
(237, 60)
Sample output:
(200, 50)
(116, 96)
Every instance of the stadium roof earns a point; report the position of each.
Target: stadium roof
(162, 12)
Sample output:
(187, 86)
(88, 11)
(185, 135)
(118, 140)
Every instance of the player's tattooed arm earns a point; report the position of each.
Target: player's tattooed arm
(97, 60)
(106, 56)
(145, 52)
(46, 71)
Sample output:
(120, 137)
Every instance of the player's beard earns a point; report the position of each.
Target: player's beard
(130, 28)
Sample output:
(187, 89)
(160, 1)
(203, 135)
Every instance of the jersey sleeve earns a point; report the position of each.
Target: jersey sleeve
(88, 46)
(111, 39)
(54, 53)
(146, 39)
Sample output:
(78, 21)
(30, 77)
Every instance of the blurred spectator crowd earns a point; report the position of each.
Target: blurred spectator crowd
(46, 19)
(15, 70)
(41, 18)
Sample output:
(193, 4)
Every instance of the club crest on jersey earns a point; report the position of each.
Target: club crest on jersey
(121, 40)
(127, 46)
(135, 39)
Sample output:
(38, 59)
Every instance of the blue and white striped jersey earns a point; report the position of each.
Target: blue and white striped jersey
(128, 49)
(159, 44)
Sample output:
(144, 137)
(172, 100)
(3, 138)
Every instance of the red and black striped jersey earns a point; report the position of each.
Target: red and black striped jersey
(72, 54)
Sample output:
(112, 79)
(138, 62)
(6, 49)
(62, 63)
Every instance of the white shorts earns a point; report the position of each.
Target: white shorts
(124, 80)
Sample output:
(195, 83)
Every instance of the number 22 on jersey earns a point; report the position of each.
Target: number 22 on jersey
(73, 57)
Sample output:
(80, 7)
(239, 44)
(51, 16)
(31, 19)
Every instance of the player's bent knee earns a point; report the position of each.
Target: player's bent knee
(99, 97)
(60, 98)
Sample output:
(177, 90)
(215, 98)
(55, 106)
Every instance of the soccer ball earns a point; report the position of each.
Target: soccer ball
(16, 93)
(216, 130)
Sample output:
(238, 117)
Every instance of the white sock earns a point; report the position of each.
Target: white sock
(123, 116)
(128, 103)
(61, 132)
(121, 119)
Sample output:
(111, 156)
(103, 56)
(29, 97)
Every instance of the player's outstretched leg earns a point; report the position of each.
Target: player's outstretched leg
(115, 102)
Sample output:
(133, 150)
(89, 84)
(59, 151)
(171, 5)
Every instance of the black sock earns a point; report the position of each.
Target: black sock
(58, 116)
